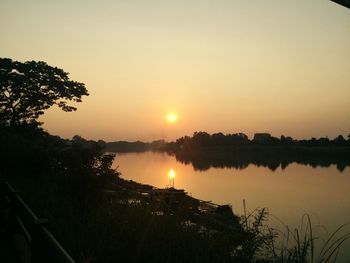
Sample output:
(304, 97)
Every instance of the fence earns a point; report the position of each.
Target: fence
(32, 240)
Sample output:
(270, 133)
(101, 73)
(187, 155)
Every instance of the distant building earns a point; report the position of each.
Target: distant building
(261, 137)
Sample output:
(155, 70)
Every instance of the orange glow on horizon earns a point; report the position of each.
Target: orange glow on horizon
(253, 70)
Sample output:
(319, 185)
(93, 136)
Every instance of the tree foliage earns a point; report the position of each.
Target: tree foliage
(29, 88)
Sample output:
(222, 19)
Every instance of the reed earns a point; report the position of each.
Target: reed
(298, 245)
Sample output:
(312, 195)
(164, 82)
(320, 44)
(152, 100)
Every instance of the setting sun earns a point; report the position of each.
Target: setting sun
(171, 117)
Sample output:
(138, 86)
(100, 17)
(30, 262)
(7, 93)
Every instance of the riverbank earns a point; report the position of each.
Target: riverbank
(134, 222)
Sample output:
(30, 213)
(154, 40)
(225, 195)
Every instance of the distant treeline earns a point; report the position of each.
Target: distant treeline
(204, 150)
(205, 140)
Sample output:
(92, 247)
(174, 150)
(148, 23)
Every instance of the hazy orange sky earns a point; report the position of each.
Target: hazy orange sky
(232, 66)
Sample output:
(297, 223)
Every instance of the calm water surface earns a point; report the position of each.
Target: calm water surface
(323, 193)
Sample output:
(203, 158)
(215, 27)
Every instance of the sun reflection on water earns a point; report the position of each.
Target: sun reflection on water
(171, 175)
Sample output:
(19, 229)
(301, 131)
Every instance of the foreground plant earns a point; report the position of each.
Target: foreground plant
(297, 245)
(301, 245)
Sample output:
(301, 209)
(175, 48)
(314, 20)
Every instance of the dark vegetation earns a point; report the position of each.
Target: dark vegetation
(29, 88)
(96, 215)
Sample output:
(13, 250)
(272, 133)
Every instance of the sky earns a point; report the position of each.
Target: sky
(221, 66)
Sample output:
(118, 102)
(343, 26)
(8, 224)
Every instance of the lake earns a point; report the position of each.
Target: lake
(322, 192)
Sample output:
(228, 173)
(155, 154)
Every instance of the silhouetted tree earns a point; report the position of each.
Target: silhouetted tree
(29, 88)
(201, 139)
(286, 140)
(339, 140)
(324, 141)
(218, 139)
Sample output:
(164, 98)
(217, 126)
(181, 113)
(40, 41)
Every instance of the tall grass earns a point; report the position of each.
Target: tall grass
(301, 245)
(298, 245)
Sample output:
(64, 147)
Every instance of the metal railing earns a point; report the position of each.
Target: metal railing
(32, 240)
